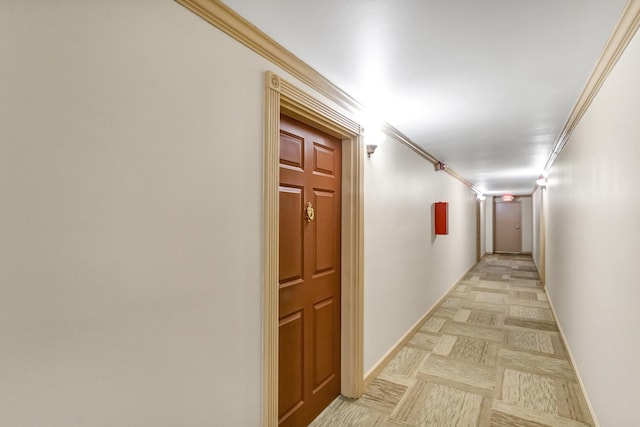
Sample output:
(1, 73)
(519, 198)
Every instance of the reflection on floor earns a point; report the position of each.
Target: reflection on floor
(490, 355)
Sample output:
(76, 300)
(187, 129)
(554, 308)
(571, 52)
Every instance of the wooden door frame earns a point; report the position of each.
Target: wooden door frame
(282, 97)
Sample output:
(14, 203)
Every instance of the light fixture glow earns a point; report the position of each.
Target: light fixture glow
(373, 135)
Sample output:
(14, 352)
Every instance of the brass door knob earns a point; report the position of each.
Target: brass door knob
(309, 213)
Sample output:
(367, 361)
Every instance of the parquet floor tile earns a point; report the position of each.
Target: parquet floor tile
(489, 355)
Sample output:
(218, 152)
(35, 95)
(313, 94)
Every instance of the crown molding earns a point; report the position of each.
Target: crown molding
(227, 20)
(622, 34)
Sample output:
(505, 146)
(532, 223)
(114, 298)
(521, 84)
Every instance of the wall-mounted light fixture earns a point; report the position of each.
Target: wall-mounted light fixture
(541, 182)
(480, 197)
(440, 166)
(374, 137)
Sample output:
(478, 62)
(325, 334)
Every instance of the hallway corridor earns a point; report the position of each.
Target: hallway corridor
(490, 355)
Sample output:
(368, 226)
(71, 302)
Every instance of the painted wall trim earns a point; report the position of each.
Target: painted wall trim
(225, 19)
(379, 366)
(622, 34)
(543, 250)
(478, 234)
(282, 97)
(573, 363)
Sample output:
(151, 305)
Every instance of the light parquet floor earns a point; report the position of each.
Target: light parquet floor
(490, 355)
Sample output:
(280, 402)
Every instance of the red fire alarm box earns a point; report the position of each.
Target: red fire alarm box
(440, 214)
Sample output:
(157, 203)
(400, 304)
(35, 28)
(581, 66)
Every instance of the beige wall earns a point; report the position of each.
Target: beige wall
(489, 223)
(407, 267)
(527, 224)
(593, 243)
(131, 182)
(131, 220)
(536, 206)
(483, 227)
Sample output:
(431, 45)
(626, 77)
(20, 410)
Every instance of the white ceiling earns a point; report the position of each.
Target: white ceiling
(484, 86)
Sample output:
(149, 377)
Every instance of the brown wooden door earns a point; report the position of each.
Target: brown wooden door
(508, 227)
(309, 327)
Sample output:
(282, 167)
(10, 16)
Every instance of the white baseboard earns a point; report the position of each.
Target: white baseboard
(379, 366)
(573, 363)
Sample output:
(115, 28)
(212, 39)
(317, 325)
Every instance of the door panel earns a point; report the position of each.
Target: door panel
(508, 217)
(290, 363)
(324, 159)
(291, 151)
(324, 368)
(291, 235)
(309, 296)
(324, 233)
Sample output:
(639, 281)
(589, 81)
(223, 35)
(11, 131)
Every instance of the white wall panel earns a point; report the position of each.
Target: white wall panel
(536, 207)
(527, 224)
(489, 223)
(131, 206)
(483, 227)
(593, 242)
(407, 267)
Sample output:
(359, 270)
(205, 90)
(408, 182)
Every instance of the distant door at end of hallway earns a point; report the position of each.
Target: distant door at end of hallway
(309, 295)
(508, 228)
